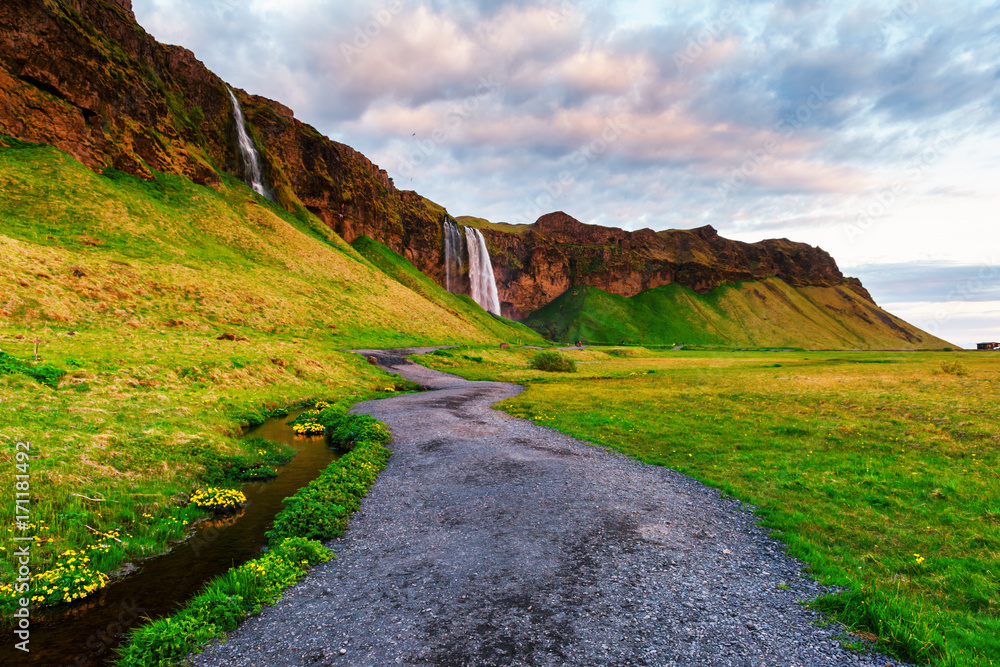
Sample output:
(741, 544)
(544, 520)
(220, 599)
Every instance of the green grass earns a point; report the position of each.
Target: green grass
(395, 265)
(127, 286)
(767, 313)
(880, 470)
(224, 602)
(483, 223)
(319, 510)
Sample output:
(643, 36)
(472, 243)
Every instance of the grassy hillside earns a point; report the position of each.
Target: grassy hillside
(767, 313)
(125, 287)
(483, 223)
(395, 265)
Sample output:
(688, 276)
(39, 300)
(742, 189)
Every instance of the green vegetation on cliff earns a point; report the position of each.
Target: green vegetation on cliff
(767, 313)
(395, 265)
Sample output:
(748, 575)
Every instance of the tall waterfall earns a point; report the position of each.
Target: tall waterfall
(483, 283)
(453, 265)
(248, 152)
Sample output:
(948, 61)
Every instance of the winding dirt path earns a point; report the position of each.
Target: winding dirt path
(489, 540)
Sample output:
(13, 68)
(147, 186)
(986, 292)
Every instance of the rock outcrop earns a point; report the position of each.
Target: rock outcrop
(83, 76)
(537, 264)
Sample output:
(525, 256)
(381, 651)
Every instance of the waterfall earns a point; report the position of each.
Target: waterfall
(453, 265)
(248, 152)
(484, 284)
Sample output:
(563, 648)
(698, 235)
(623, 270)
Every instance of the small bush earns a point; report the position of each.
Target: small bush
(954, 368)
(553, 362)
(47, 375)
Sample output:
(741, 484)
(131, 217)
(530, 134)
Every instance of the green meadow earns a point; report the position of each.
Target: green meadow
(166, 318)
(881, 470)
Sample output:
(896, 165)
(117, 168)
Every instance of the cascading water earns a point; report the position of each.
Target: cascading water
(248, 152)
(453, 265)
(483, 283)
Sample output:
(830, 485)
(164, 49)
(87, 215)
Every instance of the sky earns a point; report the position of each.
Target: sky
(870, 129)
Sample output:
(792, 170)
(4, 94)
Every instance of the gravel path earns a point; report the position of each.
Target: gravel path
(489, 540)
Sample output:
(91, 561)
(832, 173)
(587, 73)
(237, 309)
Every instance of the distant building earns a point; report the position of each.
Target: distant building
(988, 346)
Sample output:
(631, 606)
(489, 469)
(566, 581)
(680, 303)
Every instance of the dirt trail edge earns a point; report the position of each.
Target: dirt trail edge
(489, 540)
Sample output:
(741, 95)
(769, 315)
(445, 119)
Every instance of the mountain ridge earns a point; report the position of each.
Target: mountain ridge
(83, 76)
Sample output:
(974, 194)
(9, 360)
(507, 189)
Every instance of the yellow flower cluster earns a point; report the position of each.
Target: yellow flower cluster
(309, 428)
(309, 425)
(71, 579)
(214, 498)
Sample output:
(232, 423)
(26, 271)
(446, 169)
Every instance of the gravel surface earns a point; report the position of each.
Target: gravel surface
(489, 540)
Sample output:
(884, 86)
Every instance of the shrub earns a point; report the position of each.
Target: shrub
(954, 368)
(553, 362)
(47, 375)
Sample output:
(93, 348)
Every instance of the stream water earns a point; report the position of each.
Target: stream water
(84, 634)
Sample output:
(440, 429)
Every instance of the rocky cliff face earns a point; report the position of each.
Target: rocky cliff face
(83, 76)
(558, 252)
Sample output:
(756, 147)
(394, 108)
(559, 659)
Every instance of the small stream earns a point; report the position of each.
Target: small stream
(84, 634)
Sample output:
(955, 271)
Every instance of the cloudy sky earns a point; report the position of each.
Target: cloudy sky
(871, 129)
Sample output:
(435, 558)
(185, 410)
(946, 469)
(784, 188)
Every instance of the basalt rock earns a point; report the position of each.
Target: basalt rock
(83, 76)
(557, 252)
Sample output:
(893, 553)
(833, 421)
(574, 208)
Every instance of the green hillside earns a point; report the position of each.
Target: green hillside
(395, 265)
(767, 313)
(166, 316)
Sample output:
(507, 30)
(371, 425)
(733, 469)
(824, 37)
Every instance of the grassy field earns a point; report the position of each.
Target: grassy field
(172, 316)
(881, 470)
(765, 313)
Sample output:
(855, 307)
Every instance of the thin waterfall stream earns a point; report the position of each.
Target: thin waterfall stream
(248, 152)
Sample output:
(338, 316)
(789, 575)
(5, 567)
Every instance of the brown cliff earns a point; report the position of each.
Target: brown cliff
(83, 76)
(541, 261)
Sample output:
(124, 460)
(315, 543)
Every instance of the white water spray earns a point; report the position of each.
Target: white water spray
(248, 152)
(483, 283)
(453, 265)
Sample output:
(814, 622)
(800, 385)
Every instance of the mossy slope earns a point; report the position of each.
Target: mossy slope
(767, 313)
(399, 268)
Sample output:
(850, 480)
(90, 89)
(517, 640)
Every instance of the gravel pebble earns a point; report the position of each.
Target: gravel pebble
(490, 540)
